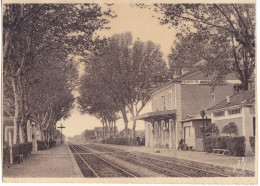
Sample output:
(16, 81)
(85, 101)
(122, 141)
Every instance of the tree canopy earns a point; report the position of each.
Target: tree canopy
(126, 72)
(230, 128)
(40, 37)
(209, 31)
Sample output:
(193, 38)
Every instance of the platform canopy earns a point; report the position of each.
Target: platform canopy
(157, 115)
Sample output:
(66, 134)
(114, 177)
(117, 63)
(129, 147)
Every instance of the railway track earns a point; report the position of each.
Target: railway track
(171, 167)
(93, 165)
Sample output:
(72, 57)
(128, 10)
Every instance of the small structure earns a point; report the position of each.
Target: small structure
(238, 109)
(192, 131)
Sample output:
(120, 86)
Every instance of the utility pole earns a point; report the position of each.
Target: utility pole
(61, 127)
(203, 114)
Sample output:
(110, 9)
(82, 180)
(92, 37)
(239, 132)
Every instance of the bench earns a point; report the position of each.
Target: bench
(220, 151)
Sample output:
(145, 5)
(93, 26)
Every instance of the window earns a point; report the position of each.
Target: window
(234, 111)
(221, 113)
(188, 132)
(163, 102)
(212, 96)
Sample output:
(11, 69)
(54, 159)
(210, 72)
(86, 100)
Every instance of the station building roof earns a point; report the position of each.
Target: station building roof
(242, 98)
(196, 75)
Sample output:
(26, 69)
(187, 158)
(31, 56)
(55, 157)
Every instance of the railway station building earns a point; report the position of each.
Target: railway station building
(176, 106)
(240, 110)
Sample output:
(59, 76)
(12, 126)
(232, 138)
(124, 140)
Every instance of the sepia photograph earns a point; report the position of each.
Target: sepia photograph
(129, 92)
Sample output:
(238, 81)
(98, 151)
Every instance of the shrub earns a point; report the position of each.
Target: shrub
(252, 143)
(211, 130)
(124, 141)
(6, 154)
(221, 142)
(235, 145)
(52, 143)
(42, 145)
(209, 144)
(23, 148)
(230, 129)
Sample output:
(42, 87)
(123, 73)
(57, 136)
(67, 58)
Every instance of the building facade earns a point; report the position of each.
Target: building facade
(178, 100)
(240, 110)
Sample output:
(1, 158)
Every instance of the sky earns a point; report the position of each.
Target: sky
(143, 26)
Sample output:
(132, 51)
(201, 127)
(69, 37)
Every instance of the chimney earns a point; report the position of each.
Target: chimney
(228, 99)
(177, 73)
(184, 71)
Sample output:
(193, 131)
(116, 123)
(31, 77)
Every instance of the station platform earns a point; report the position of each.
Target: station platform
(200, 157)
(52, 163)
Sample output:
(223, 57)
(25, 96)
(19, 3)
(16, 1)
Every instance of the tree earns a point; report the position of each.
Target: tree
(30, 31)
(127, 72)
(211, 129)
(233, 22)
(210, 53)
(230, 128)
(50, 91)
(94, 101)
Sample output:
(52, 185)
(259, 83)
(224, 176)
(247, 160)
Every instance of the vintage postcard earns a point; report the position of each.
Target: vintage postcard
(129, 92)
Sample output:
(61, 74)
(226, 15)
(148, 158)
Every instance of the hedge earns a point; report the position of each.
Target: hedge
(124, 141)
(23, 148)
(252, 143)
(43, 145)
(235, 145)
(52, 143)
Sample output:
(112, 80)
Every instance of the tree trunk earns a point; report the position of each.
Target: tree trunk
(20, 119)
(110, 128)
(23, 131)
(106, 131)
(134, 125)
(17, 117)
(114, 128)
(245, 83)
(125, 121)
(103, 130)
(134, 121)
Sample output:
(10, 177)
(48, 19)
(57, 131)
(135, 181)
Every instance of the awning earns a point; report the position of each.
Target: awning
(157, 116)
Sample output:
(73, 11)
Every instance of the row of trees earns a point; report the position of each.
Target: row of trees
(119, 77)
(39, 72)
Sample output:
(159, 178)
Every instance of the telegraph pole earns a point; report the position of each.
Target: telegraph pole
(61, 127)
(203, 114)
